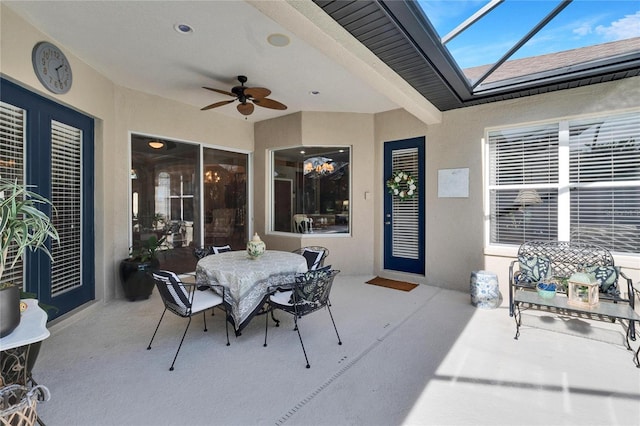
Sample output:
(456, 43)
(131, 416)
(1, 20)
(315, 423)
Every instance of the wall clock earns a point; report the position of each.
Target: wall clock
(51, 67)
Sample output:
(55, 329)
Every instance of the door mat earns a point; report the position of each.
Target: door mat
(398, 285)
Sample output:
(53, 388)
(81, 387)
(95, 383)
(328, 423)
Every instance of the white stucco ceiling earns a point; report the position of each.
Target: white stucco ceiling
(134, 43)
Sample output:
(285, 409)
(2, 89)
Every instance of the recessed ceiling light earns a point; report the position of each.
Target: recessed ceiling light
(278, 40)
(183, 28)
(314, 92)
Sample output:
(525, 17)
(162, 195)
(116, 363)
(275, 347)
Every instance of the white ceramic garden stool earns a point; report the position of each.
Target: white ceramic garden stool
(485, 291)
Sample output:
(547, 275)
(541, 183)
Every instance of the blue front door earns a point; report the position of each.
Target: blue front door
(404, 214)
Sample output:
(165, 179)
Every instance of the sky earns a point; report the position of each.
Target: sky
(582, 23)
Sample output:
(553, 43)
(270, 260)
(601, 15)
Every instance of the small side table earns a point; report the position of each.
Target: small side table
(485, 291)
(16, 348)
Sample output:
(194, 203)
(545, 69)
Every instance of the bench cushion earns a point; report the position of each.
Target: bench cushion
(607, 277)
(533, 268)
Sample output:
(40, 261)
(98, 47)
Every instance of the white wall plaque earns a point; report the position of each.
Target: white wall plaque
(453, 183)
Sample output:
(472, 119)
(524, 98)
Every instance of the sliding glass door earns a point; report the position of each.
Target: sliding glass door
(225, 198)
(169, 191)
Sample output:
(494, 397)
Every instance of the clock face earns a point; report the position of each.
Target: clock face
(52, 67)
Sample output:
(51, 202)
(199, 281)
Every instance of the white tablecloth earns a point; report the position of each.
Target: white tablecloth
(247, 280)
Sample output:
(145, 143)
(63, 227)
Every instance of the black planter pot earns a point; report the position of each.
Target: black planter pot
(136, 279)
(9, 309)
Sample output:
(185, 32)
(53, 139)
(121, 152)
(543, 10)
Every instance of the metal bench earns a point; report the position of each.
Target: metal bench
(566, 258)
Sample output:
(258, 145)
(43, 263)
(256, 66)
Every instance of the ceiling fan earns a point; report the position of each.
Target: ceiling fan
(256, 95)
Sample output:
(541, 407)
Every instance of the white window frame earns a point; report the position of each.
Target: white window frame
(564, 184)
(270, 166)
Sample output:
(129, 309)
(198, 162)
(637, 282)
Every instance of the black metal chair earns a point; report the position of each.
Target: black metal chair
(310, 294)
(185, 301)
(201, 252)
(315, 256)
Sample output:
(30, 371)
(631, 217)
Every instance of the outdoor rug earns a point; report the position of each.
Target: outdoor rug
(398, 285)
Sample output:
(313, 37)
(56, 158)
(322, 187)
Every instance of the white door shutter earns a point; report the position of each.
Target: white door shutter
(12, 143)
(66, 185)
(405, 213)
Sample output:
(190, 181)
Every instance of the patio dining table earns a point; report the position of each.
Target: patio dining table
(246, 280)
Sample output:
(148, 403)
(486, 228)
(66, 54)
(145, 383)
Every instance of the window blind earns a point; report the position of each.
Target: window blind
(601, 177)
(66, 187)
(405, 213)
(12, 152)
(523, 183)
(604, 172)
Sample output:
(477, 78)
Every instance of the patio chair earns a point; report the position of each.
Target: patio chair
(302, 224)
(185, 301)
(310, 294)
(222, 225)
(315, 256)
(201, 252)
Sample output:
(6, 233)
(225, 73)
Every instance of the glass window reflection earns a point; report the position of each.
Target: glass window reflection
(311, 190)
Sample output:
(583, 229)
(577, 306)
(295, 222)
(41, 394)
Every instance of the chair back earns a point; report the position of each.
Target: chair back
(174, 294)
(315, 256)
(201, 252)
(312, 289)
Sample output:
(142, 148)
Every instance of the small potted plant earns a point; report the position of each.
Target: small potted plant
(134, 270)
(22, 226)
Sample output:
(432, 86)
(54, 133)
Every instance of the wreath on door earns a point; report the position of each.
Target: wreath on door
(402, 185)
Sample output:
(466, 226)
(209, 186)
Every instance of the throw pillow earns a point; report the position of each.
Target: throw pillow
(314, 257)
(221, 249)
(607, 277)
(534, 268)
(309, 285)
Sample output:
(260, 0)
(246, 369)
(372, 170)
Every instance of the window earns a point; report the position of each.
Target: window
(311, 187)
(575, 180)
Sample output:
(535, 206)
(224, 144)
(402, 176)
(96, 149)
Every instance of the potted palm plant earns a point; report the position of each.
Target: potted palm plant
(134, 270)
(22, 226)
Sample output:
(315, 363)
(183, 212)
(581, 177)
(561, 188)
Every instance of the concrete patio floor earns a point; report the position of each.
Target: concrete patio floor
(424, 357)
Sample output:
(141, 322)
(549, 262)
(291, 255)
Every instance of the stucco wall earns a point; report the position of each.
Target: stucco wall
(454, 227)
(455, 239)
(117, 112)
(323, 129)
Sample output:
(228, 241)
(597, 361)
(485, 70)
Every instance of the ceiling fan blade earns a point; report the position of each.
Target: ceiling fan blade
(257, 92)
(245, 109)
(217, 104)
(224, 92)
(269, 103)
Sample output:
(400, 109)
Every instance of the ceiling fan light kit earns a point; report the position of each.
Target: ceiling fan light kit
(247, 96)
